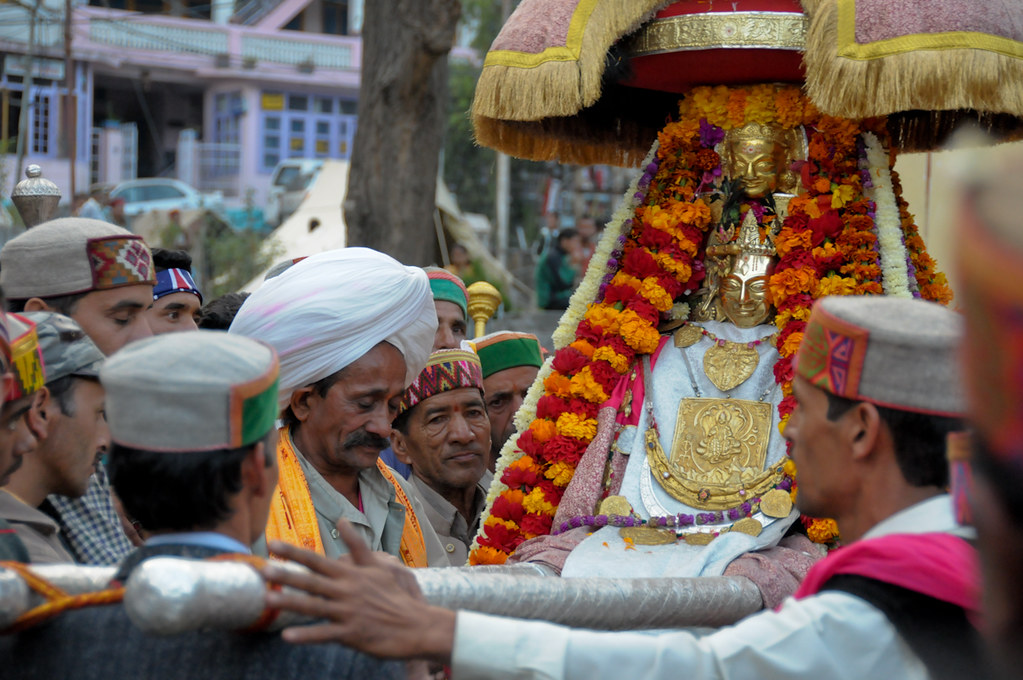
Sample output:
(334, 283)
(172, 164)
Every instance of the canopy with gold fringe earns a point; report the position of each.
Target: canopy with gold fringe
(591, 81)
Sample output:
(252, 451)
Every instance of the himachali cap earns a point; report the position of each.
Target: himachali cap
(446, 369)
(900, 353)
(506, 349)
(990, 249)
(66, 349)
(447, 287)
(5, 344)
(73, 255)
(26, 357)
(198, 391)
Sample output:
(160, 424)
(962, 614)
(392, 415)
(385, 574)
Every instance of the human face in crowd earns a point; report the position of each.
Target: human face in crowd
(74, 442)
(111, 318)
(820, 451)
(448, 440)
(451, 327)
(16, 439)
(505, 392)
(174, 313)
(344, 431)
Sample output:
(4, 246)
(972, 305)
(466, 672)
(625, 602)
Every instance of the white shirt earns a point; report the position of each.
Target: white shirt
(829, 635)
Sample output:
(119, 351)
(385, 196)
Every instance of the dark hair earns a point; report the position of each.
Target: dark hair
(180, 491)
(62, 391)
(919, 440)
(218, 314)
(62, 304)
(164, 259)
(566, 234)
(321, 387)
(400, 423)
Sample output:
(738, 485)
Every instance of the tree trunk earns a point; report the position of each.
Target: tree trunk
(392, 180)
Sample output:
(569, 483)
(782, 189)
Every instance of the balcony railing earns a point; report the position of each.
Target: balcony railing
(150, 39)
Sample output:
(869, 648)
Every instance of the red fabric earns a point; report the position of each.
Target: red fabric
(941, 566)
(682, 70)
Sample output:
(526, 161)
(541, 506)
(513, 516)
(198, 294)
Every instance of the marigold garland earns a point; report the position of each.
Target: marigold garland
(651, 255)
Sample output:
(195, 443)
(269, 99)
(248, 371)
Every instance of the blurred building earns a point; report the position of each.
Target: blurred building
(213, 94)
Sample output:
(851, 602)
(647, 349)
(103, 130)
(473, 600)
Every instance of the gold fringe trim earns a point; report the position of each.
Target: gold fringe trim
(559, 88)
(929, 80)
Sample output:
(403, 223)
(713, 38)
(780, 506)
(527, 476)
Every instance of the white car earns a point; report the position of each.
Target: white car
(160, 193)
(289, 186)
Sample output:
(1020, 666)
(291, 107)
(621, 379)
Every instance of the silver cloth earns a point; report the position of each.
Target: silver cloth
(167, 595)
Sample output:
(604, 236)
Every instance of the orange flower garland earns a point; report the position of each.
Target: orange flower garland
(827, 245)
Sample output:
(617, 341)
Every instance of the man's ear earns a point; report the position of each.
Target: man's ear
(399, 443)
(38, 417)
(300, 402)
(863, 428)
(255, 467)
(37, 305)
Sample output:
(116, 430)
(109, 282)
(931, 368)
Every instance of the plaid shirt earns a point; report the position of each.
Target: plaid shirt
(90, 524)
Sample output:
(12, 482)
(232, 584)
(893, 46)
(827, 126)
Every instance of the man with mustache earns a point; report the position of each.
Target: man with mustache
(443, 432)
(352, 327)
(69, 423)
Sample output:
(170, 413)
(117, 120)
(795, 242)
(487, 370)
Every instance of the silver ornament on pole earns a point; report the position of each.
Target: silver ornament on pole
(36, 197)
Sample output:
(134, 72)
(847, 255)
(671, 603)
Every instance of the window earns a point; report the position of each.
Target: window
(41, 123)
(305, 126)
(335, 17)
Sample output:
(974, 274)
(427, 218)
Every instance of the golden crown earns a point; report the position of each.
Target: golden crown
(749, 242)
(756, 132)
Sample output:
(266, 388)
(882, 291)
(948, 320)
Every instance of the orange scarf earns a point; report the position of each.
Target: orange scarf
(293, 517)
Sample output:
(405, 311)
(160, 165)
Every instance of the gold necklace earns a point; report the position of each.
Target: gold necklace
(727, 364)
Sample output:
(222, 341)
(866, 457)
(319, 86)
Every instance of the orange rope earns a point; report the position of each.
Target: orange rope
(57, 600)
(269, 615)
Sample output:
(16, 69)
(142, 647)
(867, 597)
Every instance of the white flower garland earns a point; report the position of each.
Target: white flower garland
(581, 299)
(587, 291)
(895, 275)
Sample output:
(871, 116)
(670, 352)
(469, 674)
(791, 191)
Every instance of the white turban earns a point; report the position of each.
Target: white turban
(330, 309)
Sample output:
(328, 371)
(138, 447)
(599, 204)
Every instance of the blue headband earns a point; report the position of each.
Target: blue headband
(174, 281)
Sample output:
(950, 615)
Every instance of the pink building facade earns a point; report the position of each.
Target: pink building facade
(216, 96)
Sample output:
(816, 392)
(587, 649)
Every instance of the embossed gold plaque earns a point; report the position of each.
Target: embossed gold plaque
(687, 336)
(748, 525)
(717, 454)
(648, 535)
(615, 505)
(776, 503)
(699, 538)
(730, 365)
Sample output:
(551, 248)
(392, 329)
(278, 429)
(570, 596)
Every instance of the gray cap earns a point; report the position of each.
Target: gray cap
(67, 350)
(73, 255)
(900, 353)
(198, 391)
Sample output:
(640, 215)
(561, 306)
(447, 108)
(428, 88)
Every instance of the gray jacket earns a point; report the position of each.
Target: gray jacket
(39, 532)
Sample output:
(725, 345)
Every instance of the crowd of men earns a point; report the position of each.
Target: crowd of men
(121, 440)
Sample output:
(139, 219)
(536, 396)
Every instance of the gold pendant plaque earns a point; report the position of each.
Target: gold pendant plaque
(717, 454)
(699, 538)
(648, 535)
(748, 525)
(615, 505)
(776, 503)
(687, 336)
(730, 365)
